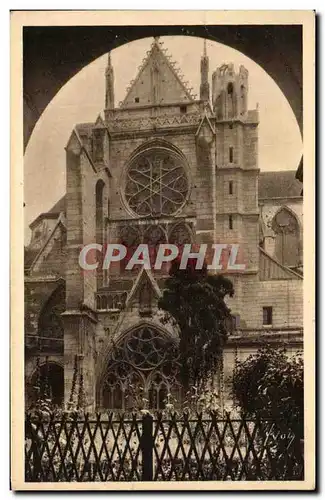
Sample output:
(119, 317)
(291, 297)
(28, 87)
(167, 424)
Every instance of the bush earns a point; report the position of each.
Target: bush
(269, 385)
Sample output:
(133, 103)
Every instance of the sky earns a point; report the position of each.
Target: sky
(82, 99)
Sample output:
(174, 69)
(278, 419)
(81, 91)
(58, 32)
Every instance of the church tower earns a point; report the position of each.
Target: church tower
(205, 86)
(229, 92)
(236, 162)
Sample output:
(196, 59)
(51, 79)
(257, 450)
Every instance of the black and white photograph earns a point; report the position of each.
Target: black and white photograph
(166, 243)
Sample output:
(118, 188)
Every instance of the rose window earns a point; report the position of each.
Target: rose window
(156, 183)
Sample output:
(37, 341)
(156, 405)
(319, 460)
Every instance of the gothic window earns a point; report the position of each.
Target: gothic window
(180, 235)
(231, 154)
(143, 365)
(158, 392)
(287, 239)
(156, 183)
(153, 237)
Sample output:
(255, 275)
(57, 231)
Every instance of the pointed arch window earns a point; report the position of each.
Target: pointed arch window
(144, 364)
(153, 237)
(287, 237)
(180, 234)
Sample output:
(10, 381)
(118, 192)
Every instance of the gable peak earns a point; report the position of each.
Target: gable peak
(149, 74)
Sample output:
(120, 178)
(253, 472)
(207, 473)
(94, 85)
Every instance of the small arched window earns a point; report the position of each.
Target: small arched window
(287, 237)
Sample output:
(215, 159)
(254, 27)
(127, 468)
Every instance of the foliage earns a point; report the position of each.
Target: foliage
(195, 402)
(195, 302)
(269, 384)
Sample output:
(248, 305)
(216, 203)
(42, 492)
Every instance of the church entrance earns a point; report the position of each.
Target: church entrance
(142, 372)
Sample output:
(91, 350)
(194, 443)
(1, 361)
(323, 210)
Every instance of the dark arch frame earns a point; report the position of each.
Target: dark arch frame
(65, 50)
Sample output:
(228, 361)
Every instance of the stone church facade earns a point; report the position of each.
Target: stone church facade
(164, 166)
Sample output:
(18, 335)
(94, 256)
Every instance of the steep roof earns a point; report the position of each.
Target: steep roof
(143, 90)
(53, 213)
(281, 184)
(59, 206)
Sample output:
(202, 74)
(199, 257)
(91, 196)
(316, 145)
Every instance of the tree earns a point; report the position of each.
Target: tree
(195, 301)
(269, 385)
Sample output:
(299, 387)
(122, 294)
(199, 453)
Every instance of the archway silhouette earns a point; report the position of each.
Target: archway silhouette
(65, 50)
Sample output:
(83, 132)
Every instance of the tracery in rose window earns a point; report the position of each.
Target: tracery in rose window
(143, 365)
(156, 183)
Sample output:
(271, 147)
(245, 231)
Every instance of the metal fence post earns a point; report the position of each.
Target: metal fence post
(147, 448)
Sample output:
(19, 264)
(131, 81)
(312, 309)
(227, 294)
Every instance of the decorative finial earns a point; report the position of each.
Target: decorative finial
(156, 38)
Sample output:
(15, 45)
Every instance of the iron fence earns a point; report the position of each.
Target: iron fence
(178, 448)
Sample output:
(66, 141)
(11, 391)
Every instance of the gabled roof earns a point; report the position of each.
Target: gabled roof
(32, 256)
(145, 275)
(53, 213)
(59, 206)
(281, 184)
(172, 88)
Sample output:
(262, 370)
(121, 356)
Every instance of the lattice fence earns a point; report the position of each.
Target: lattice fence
(119, 448)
